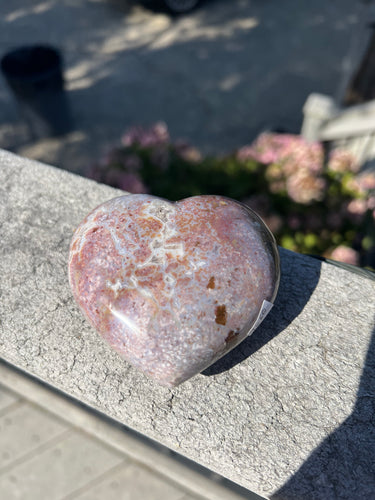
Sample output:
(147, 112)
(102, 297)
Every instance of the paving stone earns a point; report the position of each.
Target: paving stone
(7, 399)
(189, 497)
(60, 469)
(133, 482)
(23, 430)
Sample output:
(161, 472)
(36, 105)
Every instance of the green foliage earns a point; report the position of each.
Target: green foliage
(224, 176)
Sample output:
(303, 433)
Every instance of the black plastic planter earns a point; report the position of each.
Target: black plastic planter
(35, 76)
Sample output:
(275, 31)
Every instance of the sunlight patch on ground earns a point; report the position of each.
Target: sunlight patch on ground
(79, 71)
(80, 84)
(190, 29)
(66, 151)
(85, 73)
(36, 9)
(129, 36)
(230, 82)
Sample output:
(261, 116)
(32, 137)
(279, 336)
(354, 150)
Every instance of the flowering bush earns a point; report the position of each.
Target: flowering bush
(324, 205)
(173, 170)
(312, 203)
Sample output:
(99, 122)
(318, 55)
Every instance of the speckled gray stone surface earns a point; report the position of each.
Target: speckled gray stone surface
(288, 414)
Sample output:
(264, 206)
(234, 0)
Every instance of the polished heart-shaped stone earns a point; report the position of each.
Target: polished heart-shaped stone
(172, 287)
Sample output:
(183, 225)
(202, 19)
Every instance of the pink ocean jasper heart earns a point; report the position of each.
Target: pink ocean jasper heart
(172, 287)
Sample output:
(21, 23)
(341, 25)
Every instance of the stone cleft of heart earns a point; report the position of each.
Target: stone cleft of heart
(172, 287)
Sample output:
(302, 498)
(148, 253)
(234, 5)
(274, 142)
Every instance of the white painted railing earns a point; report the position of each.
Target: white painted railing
(350, 128)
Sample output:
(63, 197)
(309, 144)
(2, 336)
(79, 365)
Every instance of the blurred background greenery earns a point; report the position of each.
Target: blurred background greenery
(314, 202)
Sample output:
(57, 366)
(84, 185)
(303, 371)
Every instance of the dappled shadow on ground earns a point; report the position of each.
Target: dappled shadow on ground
(343, 466)
(217, 76)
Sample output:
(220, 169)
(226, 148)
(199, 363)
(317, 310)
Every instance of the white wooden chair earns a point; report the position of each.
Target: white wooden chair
(351, 128)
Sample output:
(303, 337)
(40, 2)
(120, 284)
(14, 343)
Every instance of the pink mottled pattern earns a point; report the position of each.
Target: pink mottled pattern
(171, 286)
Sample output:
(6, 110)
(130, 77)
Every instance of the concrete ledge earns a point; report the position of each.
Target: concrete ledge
(288, 414)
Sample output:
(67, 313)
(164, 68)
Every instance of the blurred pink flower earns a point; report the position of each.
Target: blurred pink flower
(277, 187)
(274, 171)
(342, 161)
(187, 152)
(146, 137)
(246, 153)
(268, 148)
(356, 210)
(366, 181)
(294, 165)
(345, 254)
(362, 184)
(250, 153)
(371, 203)
(292, 151)
(305, 188)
